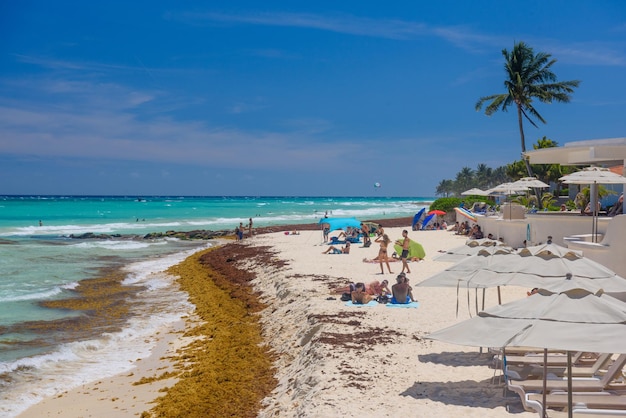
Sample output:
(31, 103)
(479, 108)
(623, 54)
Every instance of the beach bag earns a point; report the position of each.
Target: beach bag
(382, 299)
(346, 297)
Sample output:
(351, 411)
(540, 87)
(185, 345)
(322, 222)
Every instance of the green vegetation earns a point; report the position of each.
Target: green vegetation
(583, 196)
(485, 178)
(447, 204)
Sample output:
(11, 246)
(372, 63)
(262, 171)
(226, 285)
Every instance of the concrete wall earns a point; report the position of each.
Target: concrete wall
(558, 225)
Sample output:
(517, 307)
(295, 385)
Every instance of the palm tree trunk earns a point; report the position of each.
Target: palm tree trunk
(526, 162)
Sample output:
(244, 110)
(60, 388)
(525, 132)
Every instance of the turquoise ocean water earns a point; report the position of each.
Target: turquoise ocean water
(41, 352)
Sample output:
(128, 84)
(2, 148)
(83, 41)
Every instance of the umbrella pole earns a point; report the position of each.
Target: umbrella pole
(484, 289)
(570, 402)
(499, 297)
(593, 197)
(483, 308)
(476, 300)
(544, 413)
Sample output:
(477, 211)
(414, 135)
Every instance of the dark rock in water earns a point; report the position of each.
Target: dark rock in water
(90, 235)
(203, 234)
(189, 235)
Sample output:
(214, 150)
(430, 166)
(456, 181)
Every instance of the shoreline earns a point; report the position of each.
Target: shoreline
(315, 341)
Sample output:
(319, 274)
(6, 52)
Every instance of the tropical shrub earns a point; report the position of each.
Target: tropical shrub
(447, 204)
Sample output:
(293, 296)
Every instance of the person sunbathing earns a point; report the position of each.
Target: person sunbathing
(377, 288)
(349, 288)
(334, 250)
(588, 210)
(360, 296)
(401, 291)
(349, 233)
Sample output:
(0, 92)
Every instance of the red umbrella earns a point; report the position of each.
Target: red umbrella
(436, 212)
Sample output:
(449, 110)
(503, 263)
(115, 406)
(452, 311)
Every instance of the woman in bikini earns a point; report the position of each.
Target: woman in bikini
(382, 253)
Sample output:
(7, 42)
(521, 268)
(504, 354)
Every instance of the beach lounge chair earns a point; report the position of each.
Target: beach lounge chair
(554, 359)
(519, 351)
(594, 384)
(588, 413)
(528, 370)
(599, 400)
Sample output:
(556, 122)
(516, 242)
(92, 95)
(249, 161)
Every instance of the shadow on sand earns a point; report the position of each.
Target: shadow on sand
(458, 359)
(479, 394)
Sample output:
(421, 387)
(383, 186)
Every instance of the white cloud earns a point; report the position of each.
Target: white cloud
(463, 37)
(105, 124)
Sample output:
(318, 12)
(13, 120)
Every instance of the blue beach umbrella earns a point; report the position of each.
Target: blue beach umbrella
(340, 223)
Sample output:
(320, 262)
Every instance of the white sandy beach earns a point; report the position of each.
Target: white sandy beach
(395, 373)
(337, 360)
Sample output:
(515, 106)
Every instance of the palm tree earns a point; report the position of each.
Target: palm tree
(464, 180)
(529, 76)
(444, 188)
(498, 176)
(482, 176)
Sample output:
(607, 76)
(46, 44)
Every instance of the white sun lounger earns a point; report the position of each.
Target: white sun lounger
(595, 400)
(594, 384)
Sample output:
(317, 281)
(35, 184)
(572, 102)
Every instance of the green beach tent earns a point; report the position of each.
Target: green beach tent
(415, 250)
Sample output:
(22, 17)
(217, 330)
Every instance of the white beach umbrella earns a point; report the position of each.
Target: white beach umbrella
(531, 182)
(542, 266)
(507, 188)
(547, 319)
(589, 175)
(475, 192)
(483, 242)
(536, 266)
(593, 176)
(471, 248)
(572, 320)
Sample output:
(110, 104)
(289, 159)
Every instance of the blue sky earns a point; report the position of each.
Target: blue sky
(286, 98)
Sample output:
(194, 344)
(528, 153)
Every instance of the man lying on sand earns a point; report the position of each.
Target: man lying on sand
(343, 250)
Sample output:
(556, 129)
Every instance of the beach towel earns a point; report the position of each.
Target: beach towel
(361, 305)
(335, 240)
(403, 305)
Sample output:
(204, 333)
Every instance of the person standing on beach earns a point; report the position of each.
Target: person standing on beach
(365, 230)
(325, 231)
(405, 251)
(382, 253)
(240, 234)
(250, 227)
